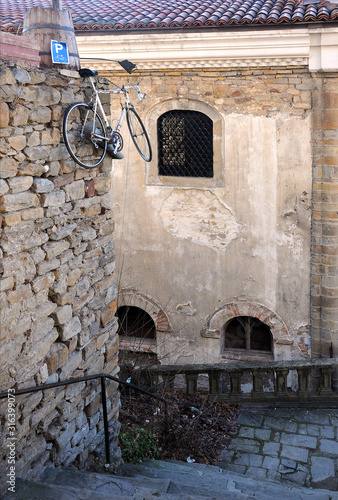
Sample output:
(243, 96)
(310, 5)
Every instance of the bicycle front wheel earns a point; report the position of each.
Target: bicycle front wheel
(84, 133)
(139, 134)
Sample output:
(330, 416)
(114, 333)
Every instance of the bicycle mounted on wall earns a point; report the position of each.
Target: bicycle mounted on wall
(87, 132)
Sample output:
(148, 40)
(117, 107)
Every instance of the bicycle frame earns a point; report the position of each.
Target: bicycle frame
(127, 104)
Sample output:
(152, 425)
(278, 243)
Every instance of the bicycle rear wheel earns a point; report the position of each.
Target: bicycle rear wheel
(83, 133)
(139, 134)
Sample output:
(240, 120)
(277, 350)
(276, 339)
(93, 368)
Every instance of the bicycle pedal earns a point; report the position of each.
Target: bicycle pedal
(116, 156)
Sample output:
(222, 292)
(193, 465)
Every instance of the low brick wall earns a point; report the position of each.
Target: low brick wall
(58, 297)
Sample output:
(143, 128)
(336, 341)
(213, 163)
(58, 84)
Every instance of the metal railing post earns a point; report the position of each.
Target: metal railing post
(105, 418)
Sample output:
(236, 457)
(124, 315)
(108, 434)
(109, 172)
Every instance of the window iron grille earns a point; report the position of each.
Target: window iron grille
(185, 144)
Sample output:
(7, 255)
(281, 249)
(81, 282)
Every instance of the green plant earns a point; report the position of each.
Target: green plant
(138, 444)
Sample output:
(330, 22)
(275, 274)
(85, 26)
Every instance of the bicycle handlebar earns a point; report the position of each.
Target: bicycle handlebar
(124, 90)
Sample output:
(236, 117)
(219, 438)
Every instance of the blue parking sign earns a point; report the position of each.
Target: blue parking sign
(59, 52)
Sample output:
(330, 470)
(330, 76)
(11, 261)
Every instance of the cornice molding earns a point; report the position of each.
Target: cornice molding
(217, 49)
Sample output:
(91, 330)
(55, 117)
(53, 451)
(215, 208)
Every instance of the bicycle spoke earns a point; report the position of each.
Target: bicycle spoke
(139, 134)
(84, 135)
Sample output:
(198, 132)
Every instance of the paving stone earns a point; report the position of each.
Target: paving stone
(322, 468)
(247, 445)
(255, 460)
(292, 464)
(313, 430)
(327, 432)
(319, 417)
(271, 449)
(290, 426)
(257, 473)
(329, 446)
(271, 463)
(274, 423)
(297, 440)
(248, 432)
(295, 453)
(242, 460)
(263, 434)
(251, 419)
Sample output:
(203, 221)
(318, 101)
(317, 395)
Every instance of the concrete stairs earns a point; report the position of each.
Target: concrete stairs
(159, 479)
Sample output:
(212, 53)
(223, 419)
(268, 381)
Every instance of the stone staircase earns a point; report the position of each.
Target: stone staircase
(159, 479)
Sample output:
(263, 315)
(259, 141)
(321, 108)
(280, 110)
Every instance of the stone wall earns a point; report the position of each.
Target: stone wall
(58, 296)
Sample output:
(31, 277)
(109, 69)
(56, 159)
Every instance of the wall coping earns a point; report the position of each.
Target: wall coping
(19, 48)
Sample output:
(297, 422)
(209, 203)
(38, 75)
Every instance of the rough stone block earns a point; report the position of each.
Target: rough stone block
(54, 198)
(32, 214)
(46, 266)
(20, 184)
(40, 115)
(42, 185)
(43, 283)
(4, 188)
(19, 201)
(108, 313)
(63, 314)
(73, 364)
(18, 142)
(54, 249)
(4, 115)
(63, 231)
(57, 357)
(8, 167)
(69, 330)
(75, 190)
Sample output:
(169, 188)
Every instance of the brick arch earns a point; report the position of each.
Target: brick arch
(133, 298)
(219, 318)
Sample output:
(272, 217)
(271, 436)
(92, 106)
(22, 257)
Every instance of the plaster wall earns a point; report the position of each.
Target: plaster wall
(196, 245)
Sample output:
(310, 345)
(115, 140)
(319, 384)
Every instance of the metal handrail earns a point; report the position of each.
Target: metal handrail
(102, 377)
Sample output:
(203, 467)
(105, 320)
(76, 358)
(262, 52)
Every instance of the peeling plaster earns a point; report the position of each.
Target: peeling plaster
(186, 309)
(199, 216)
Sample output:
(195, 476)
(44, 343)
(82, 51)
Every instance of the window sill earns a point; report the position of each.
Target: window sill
(137, 344)
(243, 355)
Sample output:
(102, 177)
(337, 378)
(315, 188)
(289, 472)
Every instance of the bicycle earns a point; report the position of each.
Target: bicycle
(88, 134)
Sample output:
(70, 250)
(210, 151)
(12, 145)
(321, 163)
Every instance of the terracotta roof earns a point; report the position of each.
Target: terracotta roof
(114, 15)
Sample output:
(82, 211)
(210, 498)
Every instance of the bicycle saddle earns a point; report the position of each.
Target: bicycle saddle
(87, 72)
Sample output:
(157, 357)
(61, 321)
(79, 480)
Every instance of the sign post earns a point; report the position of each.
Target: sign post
(59, 52)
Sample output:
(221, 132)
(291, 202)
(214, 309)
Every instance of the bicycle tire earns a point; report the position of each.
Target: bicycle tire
(139, 134)
(85, 149)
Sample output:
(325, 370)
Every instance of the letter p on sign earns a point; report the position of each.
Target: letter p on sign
(59, 52)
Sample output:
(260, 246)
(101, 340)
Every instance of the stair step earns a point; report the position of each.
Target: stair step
(208, 479)
(170, 480)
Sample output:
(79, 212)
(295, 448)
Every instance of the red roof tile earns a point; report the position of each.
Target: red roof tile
(113, 15)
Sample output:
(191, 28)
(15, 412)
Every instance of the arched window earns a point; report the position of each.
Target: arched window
(185, 144)
(135, 322)
(247, 333)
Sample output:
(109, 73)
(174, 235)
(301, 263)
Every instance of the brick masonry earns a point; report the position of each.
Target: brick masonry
(324, 271)
(58, 296)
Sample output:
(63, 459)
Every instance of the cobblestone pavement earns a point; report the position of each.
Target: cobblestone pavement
(292, 445)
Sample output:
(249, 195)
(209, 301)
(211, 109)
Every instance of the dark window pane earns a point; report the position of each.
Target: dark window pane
(260, 337)
(185, 144)
(234, 334)
(134, 322)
